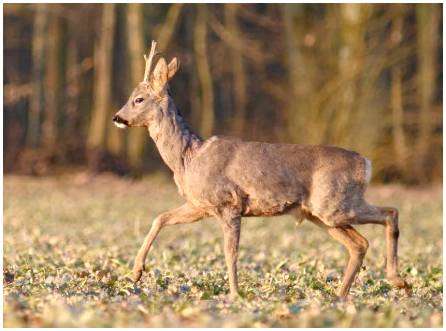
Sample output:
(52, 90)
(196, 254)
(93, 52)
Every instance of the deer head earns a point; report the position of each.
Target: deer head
(147, 99)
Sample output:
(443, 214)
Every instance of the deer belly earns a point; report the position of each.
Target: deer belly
(266, 197)
(254, 206)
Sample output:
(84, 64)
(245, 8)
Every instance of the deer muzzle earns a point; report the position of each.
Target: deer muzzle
(120, 122)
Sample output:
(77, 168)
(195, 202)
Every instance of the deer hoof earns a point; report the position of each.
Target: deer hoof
(400, 283)
(137, 273)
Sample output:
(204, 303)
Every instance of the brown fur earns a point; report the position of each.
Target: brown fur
(228, 178)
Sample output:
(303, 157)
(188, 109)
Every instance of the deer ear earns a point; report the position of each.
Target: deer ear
(160, 74)
(173, 67)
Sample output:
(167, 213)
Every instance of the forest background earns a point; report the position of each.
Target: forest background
(363, 77)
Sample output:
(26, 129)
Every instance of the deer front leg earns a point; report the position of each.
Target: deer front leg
(231, 235)
(181, 215)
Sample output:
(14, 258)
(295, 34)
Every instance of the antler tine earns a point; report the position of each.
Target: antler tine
(149, 61)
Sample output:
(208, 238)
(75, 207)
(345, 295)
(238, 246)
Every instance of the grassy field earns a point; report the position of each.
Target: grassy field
(69, 245)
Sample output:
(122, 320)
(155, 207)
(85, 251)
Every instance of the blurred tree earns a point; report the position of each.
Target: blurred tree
(399, 138)
(167, 29)
(115, 142)
(351, 56)
(53, 82)
(237, 69)
(428, 16)
(193, 84)
(38, 49)
(103, 56)
(362, 76)
(300, 115)
(135, 44)
(203, 70)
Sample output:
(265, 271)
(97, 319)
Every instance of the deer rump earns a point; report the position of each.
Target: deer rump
(264, 179)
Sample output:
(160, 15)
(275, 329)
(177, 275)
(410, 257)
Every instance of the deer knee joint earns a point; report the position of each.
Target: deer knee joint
(392, 223)
(364, 245)
(392, 215)
(360, 249)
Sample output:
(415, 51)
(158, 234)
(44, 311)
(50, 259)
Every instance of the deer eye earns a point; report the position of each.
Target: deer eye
(139, 100)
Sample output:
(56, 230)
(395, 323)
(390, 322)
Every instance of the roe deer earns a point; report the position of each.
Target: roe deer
(228, 179)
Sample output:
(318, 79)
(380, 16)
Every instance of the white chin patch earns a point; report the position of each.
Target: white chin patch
(120, 125)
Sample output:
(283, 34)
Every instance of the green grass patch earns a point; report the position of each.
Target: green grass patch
(69, 247)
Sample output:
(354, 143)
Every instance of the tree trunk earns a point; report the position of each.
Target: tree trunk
(52, 84)
(135, 45)
(204, 74)
(427, 16)
(238, 70)
(350, 67)
(399, 139)
(38, 49)
(299, 113)
(168, 28)
(102, 81)
(72, 92)
(115, 138)
(193, 84)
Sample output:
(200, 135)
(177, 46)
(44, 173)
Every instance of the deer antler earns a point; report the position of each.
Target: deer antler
(149, 61)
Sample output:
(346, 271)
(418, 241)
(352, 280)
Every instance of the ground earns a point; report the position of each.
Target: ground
(69, 244)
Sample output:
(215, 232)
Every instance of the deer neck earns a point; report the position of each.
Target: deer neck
(173, 138)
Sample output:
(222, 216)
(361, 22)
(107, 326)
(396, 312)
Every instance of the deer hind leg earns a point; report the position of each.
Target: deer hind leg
(356, 246)
(181, 215)
(388, 217)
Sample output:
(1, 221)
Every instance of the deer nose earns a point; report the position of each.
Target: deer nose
(118, 119)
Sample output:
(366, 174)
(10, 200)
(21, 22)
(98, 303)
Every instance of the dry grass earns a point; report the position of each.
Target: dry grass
(69, 246)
